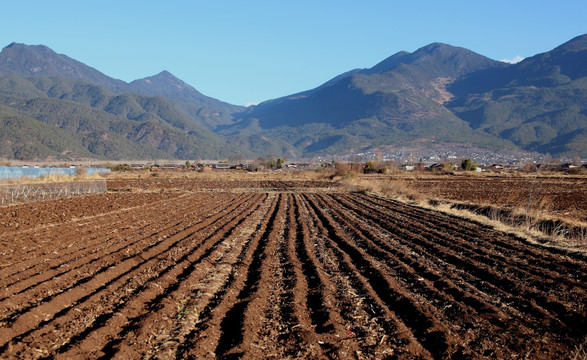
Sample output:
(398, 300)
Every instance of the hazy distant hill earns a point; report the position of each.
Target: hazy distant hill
(54, 106)
(40, 61)
(540, 104)
(99, 114)
(200, 108)
(438, 94)
(398, 101)
(122, 127)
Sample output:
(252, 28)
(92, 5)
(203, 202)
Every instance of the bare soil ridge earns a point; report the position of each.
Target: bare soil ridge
(183, 273)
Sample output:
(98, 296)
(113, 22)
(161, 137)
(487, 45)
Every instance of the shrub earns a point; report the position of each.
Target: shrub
(81, 172)
(448, 167)
(468, 165)
(343, 174)
(120, 167)
(370, 167)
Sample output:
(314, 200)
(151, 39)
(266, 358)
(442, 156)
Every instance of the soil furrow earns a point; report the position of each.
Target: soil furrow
(231, 326)
(62, 245)
(121, 274)
(171, 326)
(151, 300)
(497, 276)
(433, 336)
(206, 265)
(550, 264)
(211, 317)
(527, 312)
(456, 305)
(367, 317)
(125, 241)
(103, 266)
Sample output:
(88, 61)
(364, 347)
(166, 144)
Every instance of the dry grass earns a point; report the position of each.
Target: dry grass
(530, 219)
(396, 188)
(51, 179)
(559, 238)
(223, 175)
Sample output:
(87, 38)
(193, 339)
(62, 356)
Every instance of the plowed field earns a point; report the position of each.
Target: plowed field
(285, 273)
(562, 196)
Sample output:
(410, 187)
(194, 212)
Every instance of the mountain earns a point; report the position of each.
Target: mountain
(201, 109)
(539, 104)
(97, 116)
(123, 129)
(40, 61)
(52, 106)
(437, 95)
(398, 101)
(24, 138)
(109, 126)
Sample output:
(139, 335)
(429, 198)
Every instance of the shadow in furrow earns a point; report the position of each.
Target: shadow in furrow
(231, 326)
(315, 299)
(420, 324)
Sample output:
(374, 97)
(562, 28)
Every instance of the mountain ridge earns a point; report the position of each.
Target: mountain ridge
(440, 87)
(40, 60)
(438, 94)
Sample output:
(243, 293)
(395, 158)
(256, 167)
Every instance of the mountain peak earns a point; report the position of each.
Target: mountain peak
(390, 63)
(437, 46)
(167, 74)
(437, 58)
(439, 51)
(35, 51)
(164, 79)
(576, 44)
(567, 59)
(164, 83)
(39, 60)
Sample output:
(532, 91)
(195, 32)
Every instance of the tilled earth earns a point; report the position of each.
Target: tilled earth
(562, 196)
(276, 274)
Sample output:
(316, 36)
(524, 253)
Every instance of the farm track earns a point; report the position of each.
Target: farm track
(186, 274)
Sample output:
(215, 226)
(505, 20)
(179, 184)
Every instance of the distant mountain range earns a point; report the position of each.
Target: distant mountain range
(54, 107)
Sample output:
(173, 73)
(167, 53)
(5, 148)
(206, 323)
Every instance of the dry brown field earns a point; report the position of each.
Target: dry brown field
(563, 196)
(258, 267)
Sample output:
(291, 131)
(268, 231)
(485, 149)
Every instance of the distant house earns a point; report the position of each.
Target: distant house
(436, 167)
(569, 166)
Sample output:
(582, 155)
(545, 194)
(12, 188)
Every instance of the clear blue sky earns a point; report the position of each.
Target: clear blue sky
(250, 51)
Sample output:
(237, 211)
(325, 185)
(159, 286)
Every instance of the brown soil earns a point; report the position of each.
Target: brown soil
(189, 274)
(562, 196)
(194, 184)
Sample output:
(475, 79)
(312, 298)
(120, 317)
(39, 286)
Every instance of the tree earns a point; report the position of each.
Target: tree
(370, 166)
(447, 166)
(468, 165)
